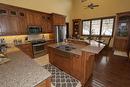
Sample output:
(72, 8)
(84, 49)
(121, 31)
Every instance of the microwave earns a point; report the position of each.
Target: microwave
(34, 30)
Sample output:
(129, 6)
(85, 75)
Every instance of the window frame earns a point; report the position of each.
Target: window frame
(101, 18)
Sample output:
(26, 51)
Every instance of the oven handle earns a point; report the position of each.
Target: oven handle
(38, 44)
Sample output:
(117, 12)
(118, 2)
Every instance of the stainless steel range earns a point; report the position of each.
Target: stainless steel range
(38, 47)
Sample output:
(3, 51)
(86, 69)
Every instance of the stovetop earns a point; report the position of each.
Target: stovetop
(37, 41)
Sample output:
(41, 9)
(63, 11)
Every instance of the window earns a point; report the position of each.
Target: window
(86, 27)
(98, 27)
(107, 27)
(95, 30)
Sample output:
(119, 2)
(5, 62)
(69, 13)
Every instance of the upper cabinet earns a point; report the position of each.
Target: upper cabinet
(34, 18)
(58, 19)
(4, 29)
(47, 23)
(15, 20)
(22, 21)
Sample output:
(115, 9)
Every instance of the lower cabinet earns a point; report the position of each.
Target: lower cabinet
(67, 62)
(79, 66)
(64, 62)
(120, 44)
(27, 49)
(76, 66)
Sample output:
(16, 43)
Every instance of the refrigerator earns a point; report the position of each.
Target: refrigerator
(60, 33)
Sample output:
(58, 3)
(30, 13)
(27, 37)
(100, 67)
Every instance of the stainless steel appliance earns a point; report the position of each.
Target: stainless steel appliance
(60, 32)
(34, 30)
(38, 47)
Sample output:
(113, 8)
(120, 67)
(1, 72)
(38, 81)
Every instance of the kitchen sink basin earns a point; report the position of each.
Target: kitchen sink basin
(65, 47)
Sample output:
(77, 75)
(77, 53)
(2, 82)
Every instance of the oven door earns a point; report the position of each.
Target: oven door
(38, 48)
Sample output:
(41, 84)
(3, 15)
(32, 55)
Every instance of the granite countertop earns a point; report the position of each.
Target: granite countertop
(93, 47)
(21, 71)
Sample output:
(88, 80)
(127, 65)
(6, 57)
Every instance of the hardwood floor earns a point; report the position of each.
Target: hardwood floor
(111, 71)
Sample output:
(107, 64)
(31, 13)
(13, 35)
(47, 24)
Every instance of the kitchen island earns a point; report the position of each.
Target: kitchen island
(22, 71)
(76, 58)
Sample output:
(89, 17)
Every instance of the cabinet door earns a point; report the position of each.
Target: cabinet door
(4, 24)
(13, 21)
(63, 60)
(37, 18)
(34, 18)
(22, 22)
(30, 18)
(58, 19)
(46, 23)
(77, 66)
(120, 43)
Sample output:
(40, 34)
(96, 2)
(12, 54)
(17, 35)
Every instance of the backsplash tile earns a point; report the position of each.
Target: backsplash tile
(10, 39)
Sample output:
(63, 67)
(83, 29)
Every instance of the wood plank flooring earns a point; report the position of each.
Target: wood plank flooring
(110, 71)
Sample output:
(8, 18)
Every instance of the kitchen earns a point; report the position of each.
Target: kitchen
(54, 47)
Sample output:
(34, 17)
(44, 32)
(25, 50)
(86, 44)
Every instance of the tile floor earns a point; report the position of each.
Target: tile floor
(59, 78)
(43, 60)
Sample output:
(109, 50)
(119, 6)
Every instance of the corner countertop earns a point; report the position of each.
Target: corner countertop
(21, 71)
(92, 47)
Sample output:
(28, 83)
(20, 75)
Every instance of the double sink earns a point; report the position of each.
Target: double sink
(67, 47)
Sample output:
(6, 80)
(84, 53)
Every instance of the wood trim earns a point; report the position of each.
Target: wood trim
(101, 18)
(122, 43)
(88, 61)
(45, 83)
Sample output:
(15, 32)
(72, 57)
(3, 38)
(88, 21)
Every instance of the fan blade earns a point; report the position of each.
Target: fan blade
(95, 5)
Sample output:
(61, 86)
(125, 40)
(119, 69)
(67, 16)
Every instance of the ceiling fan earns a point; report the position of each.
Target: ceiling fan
(91, 6)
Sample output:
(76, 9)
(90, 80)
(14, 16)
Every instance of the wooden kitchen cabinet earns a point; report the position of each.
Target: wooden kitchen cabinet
(30, 18)
(27, 49)
(76, 66)
(13, 21)
(47, 23)
(22, 21)
(79, 66)
(34, 18)
(38, 18)
(122, 34)
(62, 60)
(10, 21)
(4, 23)
(58, 19)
